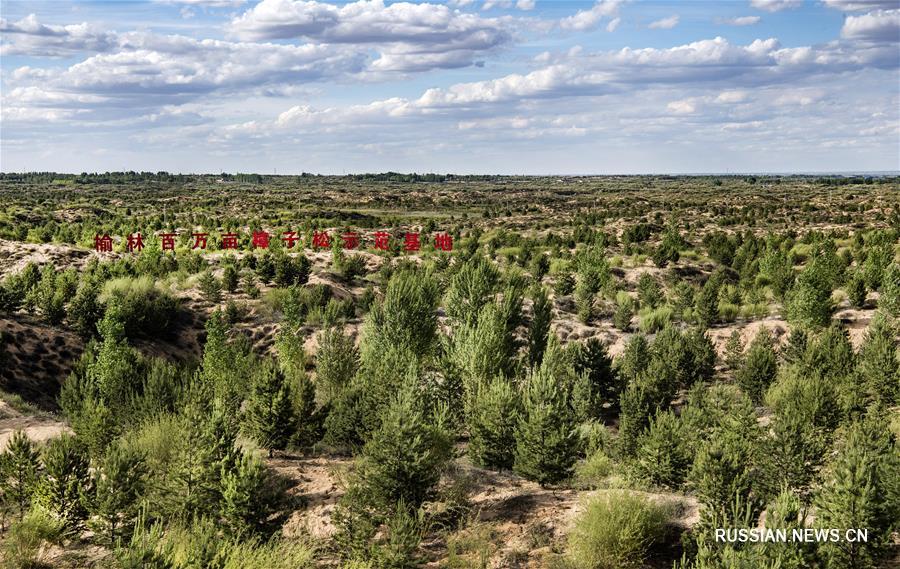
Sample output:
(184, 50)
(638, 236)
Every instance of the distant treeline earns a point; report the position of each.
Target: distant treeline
(162, 176)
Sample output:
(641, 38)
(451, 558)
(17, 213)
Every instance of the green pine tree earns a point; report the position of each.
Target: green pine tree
(118, 483)
(247, 500)
(546, 438)
(66, 482)
(269, 418)
(878, 363)
(759, 367)
(539, 327)
(889, 298)
(860, 491)
(19, 470)
(492, 417)
(605, 388)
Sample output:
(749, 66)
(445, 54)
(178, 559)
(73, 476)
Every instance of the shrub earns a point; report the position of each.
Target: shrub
(616, 531)
(539, 326)
(624, 311)
(565, 284)
(654, 320)
(210, 287)
(650, 293)
(890, 290)
(143, 308)
(337, 360)
(27, 540)
(270, 415)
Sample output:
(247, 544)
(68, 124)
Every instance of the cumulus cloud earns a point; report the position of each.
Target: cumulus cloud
(665, 23)
(208, 3)
(30, 37)
(409, 36)
(740, 21)
(775, 5)
(684, 107)
(525, 4)
(613, 24)
(589, 19)
(877, 26)
(730, 97)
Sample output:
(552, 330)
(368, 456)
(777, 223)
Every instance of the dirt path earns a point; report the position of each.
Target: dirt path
(38, 429)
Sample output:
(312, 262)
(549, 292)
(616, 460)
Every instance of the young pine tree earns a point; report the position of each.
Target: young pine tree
(539, 327)
(492, 417)
(19, 470)
(337, 361)
(759, 367)
(210, 287)
(118, 484)
(546, 439)
(663, 455)
(269, 419)
(247, 501)
(860, 491)
(734, 351)
(878, 364)
(592, 360)
(66, 481)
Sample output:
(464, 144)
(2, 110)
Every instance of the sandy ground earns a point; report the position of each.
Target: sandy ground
(38, 429)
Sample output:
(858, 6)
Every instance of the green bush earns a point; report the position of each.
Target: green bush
(492, 416)
(27, 540)
(616, 531)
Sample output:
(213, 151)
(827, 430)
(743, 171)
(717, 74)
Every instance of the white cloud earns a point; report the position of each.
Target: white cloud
(731, 97)
(525, 4)
(491, 4)
(741, 21)
(584, 20)
(775, 5)
(207, 3)
(409, 36)
(665, 23)
(613, 24)
(30, 37)
(859, 5)
(684, 107)
(879, 26)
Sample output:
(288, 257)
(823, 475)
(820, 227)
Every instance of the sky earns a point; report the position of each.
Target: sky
(459, 86)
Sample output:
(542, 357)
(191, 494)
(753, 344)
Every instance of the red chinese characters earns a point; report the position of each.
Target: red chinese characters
(382, 240)
(443, 242)
(321, 240)
(411, 242)
(167, 241)
(260, 239)
(200, 240)
(103, 243)
(351, 240)
(289, 238)
(135, 242)
(229, 241)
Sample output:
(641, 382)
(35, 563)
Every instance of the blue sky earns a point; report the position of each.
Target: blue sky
(465, 86)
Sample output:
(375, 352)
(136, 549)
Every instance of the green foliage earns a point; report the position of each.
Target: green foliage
(470, 289)
(808, 302)
(539, 327)
(291, 270)
(337, 361)
(142, 308)
(879, 366)
(19, 471)
(26, 540)
(860, 491)
(856, 290)
(84, 310)
(270, 415)
(623, 313)
(649, 292)
(616, 531)
(405, 456)
(118, 484)
(210, 287)
(663, 456)
(230, 278)
(890, 290)
(247, 501)
(592, 361)
(492, 416)
(65, 483)
(546, 440)
(759, 367)
(565, 284)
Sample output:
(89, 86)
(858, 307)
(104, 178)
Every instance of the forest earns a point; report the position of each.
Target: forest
(600, 374)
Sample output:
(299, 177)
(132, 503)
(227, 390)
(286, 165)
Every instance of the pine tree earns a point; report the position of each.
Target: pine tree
(405, 456)
(210, 287)
(856, 290)
(492, 417)
(230, 278)
(860, 492)
(539, 327)
(270, 415)
(19, 469)
(546, 439)
(734, 351)
(65, 483)
(337, 361)
(759, 367)
(650, 294)
(605, 387)
(470, 289)
(879, 367)
(663, 456)
(85, 310)
(247, 501)
(889, 299)
(808, 303)
(118, 486)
